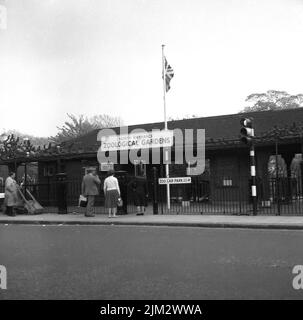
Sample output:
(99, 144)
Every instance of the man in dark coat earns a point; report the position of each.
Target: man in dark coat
(90, 188)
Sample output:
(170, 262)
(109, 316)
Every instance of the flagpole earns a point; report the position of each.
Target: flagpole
(165, 127)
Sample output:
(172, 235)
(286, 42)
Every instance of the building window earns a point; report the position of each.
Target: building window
(227, 182)
(49, 171)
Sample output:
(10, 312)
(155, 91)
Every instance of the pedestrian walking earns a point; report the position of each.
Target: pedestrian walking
(11, 194)
(140, 190)
(111, 193)
(90, 189)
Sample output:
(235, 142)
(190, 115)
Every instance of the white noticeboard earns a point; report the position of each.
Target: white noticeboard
(106, 166)
(139, 140)
(175, 180)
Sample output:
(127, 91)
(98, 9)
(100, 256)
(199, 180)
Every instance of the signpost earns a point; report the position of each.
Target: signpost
(175, 180)
(247, 137)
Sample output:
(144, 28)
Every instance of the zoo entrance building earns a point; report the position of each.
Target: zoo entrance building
(223, 187)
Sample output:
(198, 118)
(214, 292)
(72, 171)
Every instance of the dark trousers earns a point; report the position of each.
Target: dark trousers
(10, 211)
(90, 210)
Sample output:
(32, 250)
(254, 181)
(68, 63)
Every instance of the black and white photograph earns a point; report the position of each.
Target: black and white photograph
(151, 152)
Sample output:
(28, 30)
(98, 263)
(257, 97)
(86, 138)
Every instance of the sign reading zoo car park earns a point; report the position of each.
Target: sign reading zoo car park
(139, 140)
(175, 180)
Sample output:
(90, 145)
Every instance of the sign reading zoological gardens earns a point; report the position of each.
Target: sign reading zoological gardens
(153, 147)
(140, 140)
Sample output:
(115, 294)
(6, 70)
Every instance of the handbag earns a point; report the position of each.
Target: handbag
(82, 201)
(120, 202)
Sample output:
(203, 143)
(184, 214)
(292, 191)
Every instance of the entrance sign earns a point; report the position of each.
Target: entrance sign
(139, 140)
(175, 180)
(106, 166)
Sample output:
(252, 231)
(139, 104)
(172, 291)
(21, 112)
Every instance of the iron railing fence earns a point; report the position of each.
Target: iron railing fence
(216, 195)
(280, 196)
(47, 195)
(221, 195)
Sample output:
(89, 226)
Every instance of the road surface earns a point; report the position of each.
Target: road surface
(132, 262)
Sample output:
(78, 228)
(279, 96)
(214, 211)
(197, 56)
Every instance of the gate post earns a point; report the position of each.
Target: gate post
(253, 177)
(155, 191)
(61, 193)
(122, 179)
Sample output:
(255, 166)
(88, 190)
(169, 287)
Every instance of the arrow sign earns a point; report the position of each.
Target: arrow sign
(175, 180)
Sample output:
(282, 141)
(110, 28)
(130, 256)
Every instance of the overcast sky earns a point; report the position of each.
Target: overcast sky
(104, 56)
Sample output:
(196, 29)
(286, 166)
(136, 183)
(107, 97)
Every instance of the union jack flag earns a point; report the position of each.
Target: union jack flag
(169, 73)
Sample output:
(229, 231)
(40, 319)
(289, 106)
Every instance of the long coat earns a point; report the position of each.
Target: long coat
(11, 193)
(139, 187)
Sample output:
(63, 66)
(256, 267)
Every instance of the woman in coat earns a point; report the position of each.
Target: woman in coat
(11, 194)
(140, 190)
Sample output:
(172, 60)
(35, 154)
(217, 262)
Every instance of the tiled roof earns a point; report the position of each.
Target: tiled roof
(220, 132)
(225, 127)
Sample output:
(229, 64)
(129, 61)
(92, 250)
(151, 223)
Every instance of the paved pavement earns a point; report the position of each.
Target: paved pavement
(216, 221)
